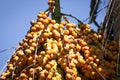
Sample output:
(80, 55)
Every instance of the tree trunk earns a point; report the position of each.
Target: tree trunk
(56, 14)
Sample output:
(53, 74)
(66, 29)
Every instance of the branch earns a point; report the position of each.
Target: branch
(93, 11)
(63, 14)
(97, 12)
(66, 19)
(7, 49)
(96, 23)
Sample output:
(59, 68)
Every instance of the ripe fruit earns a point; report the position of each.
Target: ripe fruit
(52, 51)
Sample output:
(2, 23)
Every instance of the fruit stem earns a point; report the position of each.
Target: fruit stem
(56, 14)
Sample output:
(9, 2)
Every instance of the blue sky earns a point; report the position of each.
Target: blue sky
(15, 17)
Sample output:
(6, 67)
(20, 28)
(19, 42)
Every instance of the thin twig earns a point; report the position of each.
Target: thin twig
(93, 11)
(117, 68)
(46, 10)
(37, 44)
(108, 35)
(77, 32)
(72, 17)
(100, 74)
(66, 19)
(96, 23)
(105, 36)
(97, 71)
(7, 49)
(97, 13)
(69, 58)
(15, 67)
(1, 71)
(26, 68)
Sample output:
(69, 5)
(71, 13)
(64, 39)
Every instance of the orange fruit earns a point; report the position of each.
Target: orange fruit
(78, 47)
(74, 34)
(25, 45)
(20, 53)
(30, 60)
(33, 29)
(48, 66)
(45, 21)
(29, 35)
(49, 77)
(23, 75)
(52, 21)
(28, 51)
(56, 33)
(32, 48)
(63, 23)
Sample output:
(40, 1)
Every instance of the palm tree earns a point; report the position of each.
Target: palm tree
(113, 15)
(111, 23)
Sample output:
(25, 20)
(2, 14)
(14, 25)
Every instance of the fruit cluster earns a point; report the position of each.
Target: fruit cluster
(52, 5)
(52, 51)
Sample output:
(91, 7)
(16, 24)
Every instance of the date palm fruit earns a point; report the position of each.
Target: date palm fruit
(52, 51)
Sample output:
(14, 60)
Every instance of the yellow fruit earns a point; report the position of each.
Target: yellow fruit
(28, 51)
(38, 69)
(31, 71)
(33, 29)
(34, 44)
(78, 47)
(48, 66)
(90, 59)
(74, 34)
(45, 21)
(11, 68)
(30, 60)
(20, 53)
(49, 77)
(56, 33)
(78, 78)
(53, 51)
(25, 45)
(23, 75)
(53, 21)
(68, 76)
(71, 30)
(46, 35)
(85, 48)
(32, 48)
(72, 46)
(66, 32)
(81, 62)
(16, 58)
(29, 35)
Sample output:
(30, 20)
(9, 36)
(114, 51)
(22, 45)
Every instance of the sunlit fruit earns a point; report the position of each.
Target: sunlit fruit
(62, 51)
